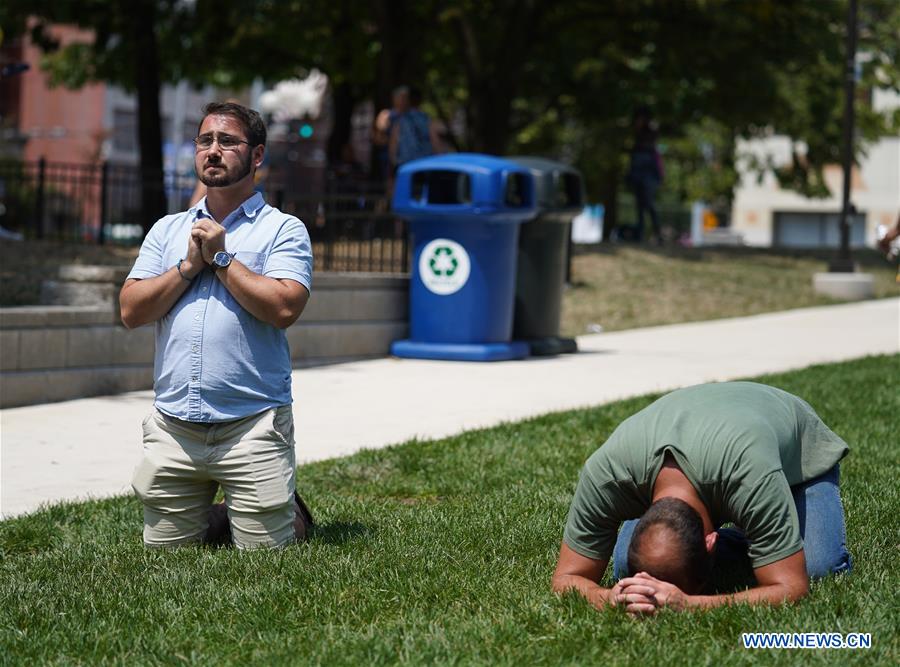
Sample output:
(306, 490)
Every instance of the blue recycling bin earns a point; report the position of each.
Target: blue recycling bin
(465, 211)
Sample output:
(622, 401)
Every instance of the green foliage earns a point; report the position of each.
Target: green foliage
(534, 76)
(436, 553)
(699, 163)
(711, 71)
(105, 53)
(19, 195)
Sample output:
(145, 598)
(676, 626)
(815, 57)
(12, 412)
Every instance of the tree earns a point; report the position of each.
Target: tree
(711, 70)
(495, 62)
(557, 78)
(140, 44)
(125, 51)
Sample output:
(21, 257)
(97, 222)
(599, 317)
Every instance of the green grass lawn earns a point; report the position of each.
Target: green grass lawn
(627, 286)
(438, 552)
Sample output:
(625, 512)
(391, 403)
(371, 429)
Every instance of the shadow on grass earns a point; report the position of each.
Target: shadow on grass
(339, 532)
(27, 537)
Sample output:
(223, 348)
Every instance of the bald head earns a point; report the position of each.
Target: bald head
(669, 544)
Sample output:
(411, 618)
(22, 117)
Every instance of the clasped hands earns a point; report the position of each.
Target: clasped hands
(643, 595)
(207, 238)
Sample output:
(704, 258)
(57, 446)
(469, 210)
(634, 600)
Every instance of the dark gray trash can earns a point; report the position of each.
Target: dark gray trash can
(544, 255)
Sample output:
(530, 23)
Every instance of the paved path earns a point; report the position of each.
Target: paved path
(89, 447)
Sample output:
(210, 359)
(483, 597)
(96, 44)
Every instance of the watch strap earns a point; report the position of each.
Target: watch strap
(183, 277)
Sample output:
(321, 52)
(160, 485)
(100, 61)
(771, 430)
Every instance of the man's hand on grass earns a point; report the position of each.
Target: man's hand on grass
(644, 595)
(633, 601)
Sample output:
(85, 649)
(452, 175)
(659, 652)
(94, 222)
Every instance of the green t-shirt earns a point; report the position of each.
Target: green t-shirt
(742, 445)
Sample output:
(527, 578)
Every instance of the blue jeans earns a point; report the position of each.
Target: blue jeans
(822, 528)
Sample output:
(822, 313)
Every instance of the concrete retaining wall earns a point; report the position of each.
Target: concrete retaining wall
(56, 353)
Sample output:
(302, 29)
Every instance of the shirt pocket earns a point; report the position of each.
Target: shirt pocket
(252, 260)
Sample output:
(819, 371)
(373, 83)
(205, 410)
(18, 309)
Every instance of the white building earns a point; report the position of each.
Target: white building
(766, 215)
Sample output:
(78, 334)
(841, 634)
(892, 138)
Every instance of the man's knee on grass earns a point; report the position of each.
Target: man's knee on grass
(219, 533)
(669, 544)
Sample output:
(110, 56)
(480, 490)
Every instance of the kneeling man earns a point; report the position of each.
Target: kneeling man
(221, 281)
(698, 458)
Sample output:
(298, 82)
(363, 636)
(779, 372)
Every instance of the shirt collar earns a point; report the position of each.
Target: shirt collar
(253, 204)
(199, 210)
(250, 207)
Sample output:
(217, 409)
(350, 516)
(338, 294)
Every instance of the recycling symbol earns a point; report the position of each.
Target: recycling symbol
(444, 266)
(442, 262)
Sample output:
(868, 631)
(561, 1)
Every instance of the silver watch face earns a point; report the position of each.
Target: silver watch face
(222, 259)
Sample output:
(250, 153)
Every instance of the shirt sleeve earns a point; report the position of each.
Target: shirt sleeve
(769, 519)
(590, 528)
(291, 255)
(149, 262)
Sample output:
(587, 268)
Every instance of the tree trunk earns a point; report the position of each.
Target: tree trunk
(389, 19)
(146, 64)
(491, 120)
(342, 128)
(494, 68)
(342, 93)
(398, 60)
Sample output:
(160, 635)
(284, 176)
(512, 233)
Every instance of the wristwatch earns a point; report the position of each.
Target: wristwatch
(222, 259)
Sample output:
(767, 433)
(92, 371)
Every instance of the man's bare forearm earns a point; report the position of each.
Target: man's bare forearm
(267, 299)
(780, 582)
(774, 595)
(594, 593)
(145, 301)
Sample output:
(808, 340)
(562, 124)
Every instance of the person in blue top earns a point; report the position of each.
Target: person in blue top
(221, 282)
(412, 134)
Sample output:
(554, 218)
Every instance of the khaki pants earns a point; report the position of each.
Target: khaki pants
(184, 463)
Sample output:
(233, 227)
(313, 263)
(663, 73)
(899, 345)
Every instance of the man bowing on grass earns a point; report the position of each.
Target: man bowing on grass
(732, 453)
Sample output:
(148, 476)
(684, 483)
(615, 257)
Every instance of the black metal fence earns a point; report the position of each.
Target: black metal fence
(351, 228)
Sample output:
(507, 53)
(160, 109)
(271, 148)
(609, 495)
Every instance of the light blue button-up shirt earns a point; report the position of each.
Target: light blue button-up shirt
(215, 361)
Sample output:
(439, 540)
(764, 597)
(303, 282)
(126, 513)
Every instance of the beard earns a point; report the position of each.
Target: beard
(226, 177)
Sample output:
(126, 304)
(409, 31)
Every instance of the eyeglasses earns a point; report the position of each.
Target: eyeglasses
(226, 142)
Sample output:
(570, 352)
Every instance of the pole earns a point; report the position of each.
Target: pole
(104, 193)
(39, 196)
(843, 262)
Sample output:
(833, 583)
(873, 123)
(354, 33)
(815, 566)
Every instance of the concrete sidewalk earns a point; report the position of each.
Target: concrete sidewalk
(89, 447)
